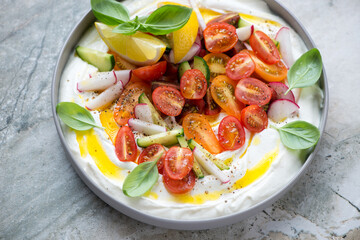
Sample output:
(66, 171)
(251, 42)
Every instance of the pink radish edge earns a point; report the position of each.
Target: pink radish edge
(282, 108)
(280, 89)
(244, 33)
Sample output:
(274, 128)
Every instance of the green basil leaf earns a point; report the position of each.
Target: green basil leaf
(141, 179)
(167, 19)
(75, 116)
(127, 28)
(299, 135)
(306, 70)
(110, 12)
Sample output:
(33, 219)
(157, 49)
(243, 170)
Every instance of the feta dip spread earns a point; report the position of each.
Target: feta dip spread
(260, 168)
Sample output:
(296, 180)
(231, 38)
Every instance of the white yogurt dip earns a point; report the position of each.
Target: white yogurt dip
(262, 166)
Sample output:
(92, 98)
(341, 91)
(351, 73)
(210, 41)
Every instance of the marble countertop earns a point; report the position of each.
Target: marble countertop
(42, 197)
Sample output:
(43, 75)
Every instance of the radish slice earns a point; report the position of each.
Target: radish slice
(145, 127)
(198, 14)
(244, 33)
(106, 97)
(280, 89)
(283, 37)
(281, 109)
(142, 112)
(103, 80)
(248, 47)
(209, 166)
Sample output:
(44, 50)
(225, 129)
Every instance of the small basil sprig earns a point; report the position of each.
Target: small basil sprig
(298, 135)
(141, 179)
(75, 116)
(163, 20)
(306, 70)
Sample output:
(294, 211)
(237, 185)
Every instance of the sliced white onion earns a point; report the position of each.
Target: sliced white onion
(248, 47)
(198, 14)
(281, 109)
(283, 37)
(244, 33)
(194, 50)
(142, 112)
(145, 127)
(103, 80)
(106, 97)
(209, 166)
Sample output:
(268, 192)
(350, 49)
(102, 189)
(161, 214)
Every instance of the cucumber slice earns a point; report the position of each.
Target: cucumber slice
(220, 164)
(244, 23)
(196, 167)
(167, 138)
(182, 68)
(200, 64)
(103, 61)
(157, 119)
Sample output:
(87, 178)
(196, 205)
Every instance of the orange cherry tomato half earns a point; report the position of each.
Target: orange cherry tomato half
(271, 73)
(150, 73)
(125, 145)
(240, 66)
(168, 100)
(223, 92)
(197, 127)
(264, 48)
(217, 63)
(182, 186)
(178, 162)
(231, 133)
(220, 37)
(193, 84)
(124, 109)
(252, 91)
(254, 118)
(151, 153)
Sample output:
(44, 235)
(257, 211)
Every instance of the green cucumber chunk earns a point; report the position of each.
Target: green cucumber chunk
(182, 68)
(157, 119)
(105, 62)
(166, 138)
(220, 164)
(244, 23)
(200, 64)
(196, 167)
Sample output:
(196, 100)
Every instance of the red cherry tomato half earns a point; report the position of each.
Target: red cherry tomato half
(179, 186)
(254, 118)
(264, 47)
(151, 153)
(193, 84)
(231, 133)
(252, 91)
(150, 73)
(220, 37)
(125, 145)
(240, 66)
(178, 162)
(211, 107)
(168, 100)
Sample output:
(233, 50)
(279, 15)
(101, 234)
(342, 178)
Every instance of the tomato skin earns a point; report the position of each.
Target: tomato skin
(125, 145)
(168, 100)
(193, 84)
(211, 107)
(179, 186)
(151, 73)
(271, 73)
(217, 63)
(223, 92)
(150, 153)
(264, 48)
(252, 91)
(191, 106)
(240, 66)
(197, 127)
(231, 133)
(254, 118)
(231, 18)
(220, 37)
(178, 162)
(124, 109)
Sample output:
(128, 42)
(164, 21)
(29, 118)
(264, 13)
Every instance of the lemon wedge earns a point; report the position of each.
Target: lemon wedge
(140, 48)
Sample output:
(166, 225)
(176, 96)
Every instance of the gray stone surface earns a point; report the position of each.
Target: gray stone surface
(41, 196)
